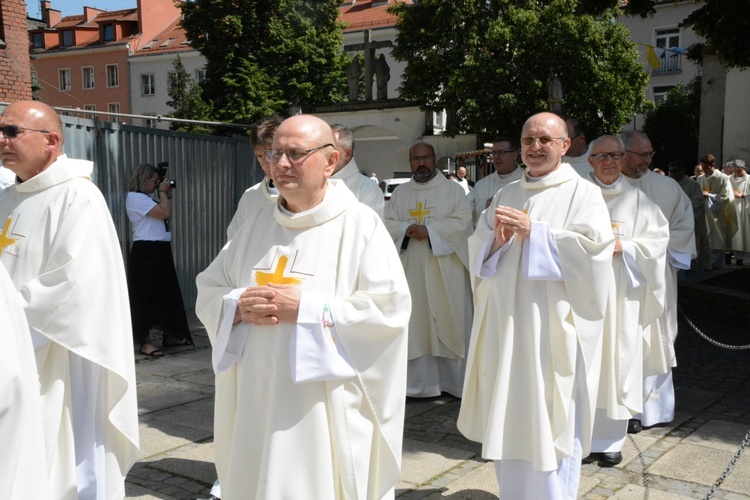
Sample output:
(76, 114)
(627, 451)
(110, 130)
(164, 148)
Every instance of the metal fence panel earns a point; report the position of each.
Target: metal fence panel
(211, 173)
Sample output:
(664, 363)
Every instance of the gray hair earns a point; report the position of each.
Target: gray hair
(628, 136)
(602, 138)
(343, 135)
(739, 163)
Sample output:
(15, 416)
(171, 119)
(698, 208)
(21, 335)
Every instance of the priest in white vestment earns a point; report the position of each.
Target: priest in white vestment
(741, 188)
(505, 151)
(720, 217)
(542, 258)
(61, 250)
(307, 310)
(578, 153)
(659, 357)
(641, 236)
(21, 429)
(263, 193)
(429, 219)
(364, 189)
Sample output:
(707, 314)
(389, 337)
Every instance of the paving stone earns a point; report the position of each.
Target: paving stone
(423, 462)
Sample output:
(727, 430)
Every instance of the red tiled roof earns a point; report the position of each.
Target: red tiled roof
(364, 15)
(172, 39)
(117, 15)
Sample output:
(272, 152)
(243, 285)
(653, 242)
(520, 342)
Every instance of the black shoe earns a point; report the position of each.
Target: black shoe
(634, 426)
(609, 459)
(593, 457)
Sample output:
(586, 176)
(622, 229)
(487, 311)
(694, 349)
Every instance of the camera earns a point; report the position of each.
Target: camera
(161, 168)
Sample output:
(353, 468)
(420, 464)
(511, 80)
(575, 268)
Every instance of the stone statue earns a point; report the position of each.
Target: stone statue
(353, 73)
(382, 75)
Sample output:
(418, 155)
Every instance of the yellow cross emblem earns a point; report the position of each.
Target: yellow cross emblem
(6, 240)
(277, 276)
(419, 213)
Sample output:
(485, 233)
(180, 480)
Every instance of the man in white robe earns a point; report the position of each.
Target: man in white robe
(462, 181)
(578, 153)
(691, 188)
(641, 236)
(505, 152)
(741, 188)
(542, 258)
(364, 189)
(429, 219)
(61, 250)
(659, 357)
(307, 310)
(720, 218)
(263, 193)
(21, 428)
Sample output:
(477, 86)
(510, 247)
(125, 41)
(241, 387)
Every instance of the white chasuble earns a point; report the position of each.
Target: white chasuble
(640, 295)
(364, 189)
(334, 435)
(22, 453)
(253, 199)
(721, 220)
(676, 208)
(64, 258)
(741, 239)
(436, 268)
(486, 188)
(528, 335)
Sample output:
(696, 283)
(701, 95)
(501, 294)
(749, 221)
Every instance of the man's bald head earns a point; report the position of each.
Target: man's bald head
(539, 158)
(38, 142)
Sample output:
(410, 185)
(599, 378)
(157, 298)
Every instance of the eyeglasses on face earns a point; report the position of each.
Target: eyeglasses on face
(544, 140)
(11, 131)
(294, 155)
(420, 158)
(617, 155)
(646, 156)
(501, 152)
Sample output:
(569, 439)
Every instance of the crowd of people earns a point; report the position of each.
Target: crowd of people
(544, 296)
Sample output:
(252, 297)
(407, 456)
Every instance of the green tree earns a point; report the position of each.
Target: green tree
(673, 125)
(185, 98)
(723, 23)
(490, 62)
(262, 55)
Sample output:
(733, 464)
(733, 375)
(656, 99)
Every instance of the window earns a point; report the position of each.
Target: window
(89, 107)
(113, 107)
(108, 33)
(66, 37)
(64, 75)
(667, 39)
(37, 41)
(147, 85)
(200, 76)
(88, 78)
(660, 93)
(113, 75)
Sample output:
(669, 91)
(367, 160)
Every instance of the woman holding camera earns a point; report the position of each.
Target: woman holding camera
(155, 296)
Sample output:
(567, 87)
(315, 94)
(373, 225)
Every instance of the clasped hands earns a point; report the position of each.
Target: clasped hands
(509, 221)
(268, 305)
(417, 232)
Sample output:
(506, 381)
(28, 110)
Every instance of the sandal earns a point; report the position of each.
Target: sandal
(165, 342)
(154, 352)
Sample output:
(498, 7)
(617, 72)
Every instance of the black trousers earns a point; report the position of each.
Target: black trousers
(155, 296)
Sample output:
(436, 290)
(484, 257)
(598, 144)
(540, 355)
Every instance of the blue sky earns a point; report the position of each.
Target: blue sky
(75, 7)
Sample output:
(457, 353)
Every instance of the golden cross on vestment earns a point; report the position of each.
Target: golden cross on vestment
(6, 240)
(277, 276)
(419, 213)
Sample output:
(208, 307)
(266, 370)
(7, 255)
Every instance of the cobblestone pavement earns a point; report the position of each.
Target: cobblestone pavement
(676, 461)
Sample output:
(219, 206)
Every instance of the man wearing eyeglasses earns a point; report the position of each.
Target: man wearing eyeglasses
(542, 262)
(307, 310)
(577, 154)
(61, 250)
(364, 189)
(505, 160)
(429, 219)
(658, 388)
(641, 236)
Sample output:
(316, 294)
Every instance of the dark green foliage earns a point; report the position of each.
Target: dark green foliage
(673, 125)
(491, 62)
(185, 98)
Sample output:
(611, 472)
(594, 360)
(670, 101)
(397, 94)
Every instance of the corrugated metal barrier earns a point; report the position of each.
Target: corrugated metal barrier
(211, 173)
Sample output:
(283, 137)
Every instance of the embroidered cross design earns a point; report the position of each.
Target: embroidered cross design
(277, 276)
(6, 240)
(420, 213)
